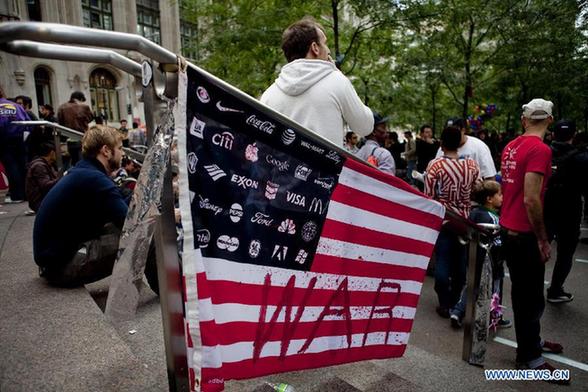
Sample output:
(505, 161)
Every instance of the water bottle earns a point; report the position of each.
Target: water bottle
(281, 387)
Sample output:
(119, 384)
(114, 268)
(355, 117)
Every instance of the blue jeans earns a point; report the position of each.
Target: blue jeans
(450, 268)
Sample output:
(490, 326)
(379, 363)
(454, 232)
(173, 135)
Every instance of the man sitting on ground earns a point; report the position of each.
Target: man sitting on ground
(78, 225)
(41, 176)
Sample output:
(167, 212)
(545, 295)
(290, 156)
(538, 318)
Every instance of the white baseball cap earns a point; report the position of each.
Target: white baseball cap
(538, 109)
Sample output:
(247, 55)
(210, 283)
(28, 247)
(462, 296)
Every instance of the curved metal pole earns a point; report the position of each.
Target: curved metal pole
(72, 53)
(66, 34)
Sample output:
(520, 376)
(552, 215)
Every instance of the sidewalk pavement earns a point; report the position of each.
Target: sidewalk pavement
(58, 339)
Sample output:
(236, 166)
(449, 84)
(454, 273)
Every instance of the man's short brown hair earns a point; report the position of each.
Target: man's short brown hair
(298, 37)
(98, 136)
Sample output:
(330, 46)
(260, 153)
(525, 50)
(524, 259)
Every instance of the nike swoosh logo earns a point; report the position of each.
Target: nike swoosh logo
(222, 108)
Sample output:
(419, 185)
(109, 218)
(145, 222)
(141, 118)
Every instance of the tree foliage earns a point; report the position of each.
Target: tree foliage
(420, 61)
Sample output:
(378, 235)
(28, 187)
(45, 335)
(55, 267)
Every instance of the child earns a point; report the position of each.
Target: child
(488, 195)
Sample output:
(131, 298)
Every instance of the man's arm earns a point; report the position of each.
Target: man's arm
(532, 201)
(358, 116)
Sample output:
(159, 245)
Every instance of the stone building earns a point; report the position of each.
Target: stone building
(112, 92)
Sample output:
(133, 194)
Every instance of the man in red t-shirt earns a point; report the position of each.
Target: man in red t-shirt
(526, 167)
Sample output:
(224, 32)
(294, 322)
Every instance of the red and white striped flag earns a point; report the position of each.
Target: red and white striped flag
(295, 255)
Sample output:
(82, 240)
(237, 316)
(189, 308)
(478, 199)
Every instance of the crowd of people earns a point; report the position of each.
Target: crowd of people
(26, 150)
(508, 177)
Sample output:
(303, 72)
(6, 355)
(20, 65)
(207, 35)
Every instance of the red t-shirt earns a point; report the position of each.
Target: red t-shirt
(525, 154)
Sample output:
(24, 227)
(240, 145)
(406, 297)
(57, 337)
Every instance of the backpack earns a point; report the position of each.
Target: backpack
(371, 159)
(561, 170)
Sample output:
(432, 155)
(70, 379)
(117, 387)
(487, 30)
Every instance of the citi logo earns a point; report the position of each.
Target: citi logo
(224, 140)
(296, 199)
(333, 156)
(215, 172)
(244, 182)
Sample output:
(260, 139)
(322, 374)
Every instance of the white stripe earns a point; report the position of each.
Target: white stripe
(220, 269)
(553, 357)
(328, 246)
(188, 259)
(231, 313)
(244, 350)
(361, 218)
(372, 186)
(582, 260)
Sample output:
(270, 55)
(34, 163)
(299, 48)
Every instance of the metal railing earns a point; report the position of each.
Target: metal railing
(158, 78)
(60, 130)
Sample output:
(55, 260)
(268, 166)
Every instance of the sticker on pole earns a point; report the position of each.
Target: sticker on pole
(147, 73)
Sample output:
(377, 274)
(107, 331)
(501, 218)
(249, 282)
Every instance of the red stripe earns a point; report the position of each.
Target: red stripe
(381, 176)
(377, 239)
(264, 366)
(230, 333)
(349, 267)
(365, 201)
(225, 291)
(190, 341)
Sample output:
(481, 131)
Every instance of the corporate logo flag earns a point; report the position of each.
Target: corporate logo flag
(295, 255)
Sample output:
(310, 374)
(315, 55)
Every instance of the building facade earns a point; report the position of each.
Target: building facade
(111, 93)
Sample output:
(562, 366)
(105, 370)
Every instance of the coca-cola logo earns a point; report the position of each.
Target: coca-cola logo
(280, 165)
(264, 126)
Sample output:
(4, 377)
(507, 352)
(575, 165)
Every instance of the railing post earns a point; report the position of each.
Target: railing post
(170, 290)
(472, 274)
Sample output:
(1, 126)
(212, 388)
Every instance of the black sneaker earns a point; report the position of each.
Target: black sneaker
(456, 321)
(443, 312)
(503, 323)
(560, 297)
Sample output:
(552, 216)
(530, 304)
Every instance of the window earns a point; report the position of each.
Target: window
(97, 14)
(43, 86)
(104, 95)
(34, 8)
(189, 37)
(148, 20)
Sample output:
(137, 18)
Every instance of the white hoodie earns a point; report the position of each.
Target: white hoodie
(317, 95)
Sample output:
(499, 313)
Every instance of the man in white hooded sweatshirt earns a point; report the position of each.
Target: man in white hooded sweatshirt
(312, 91)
